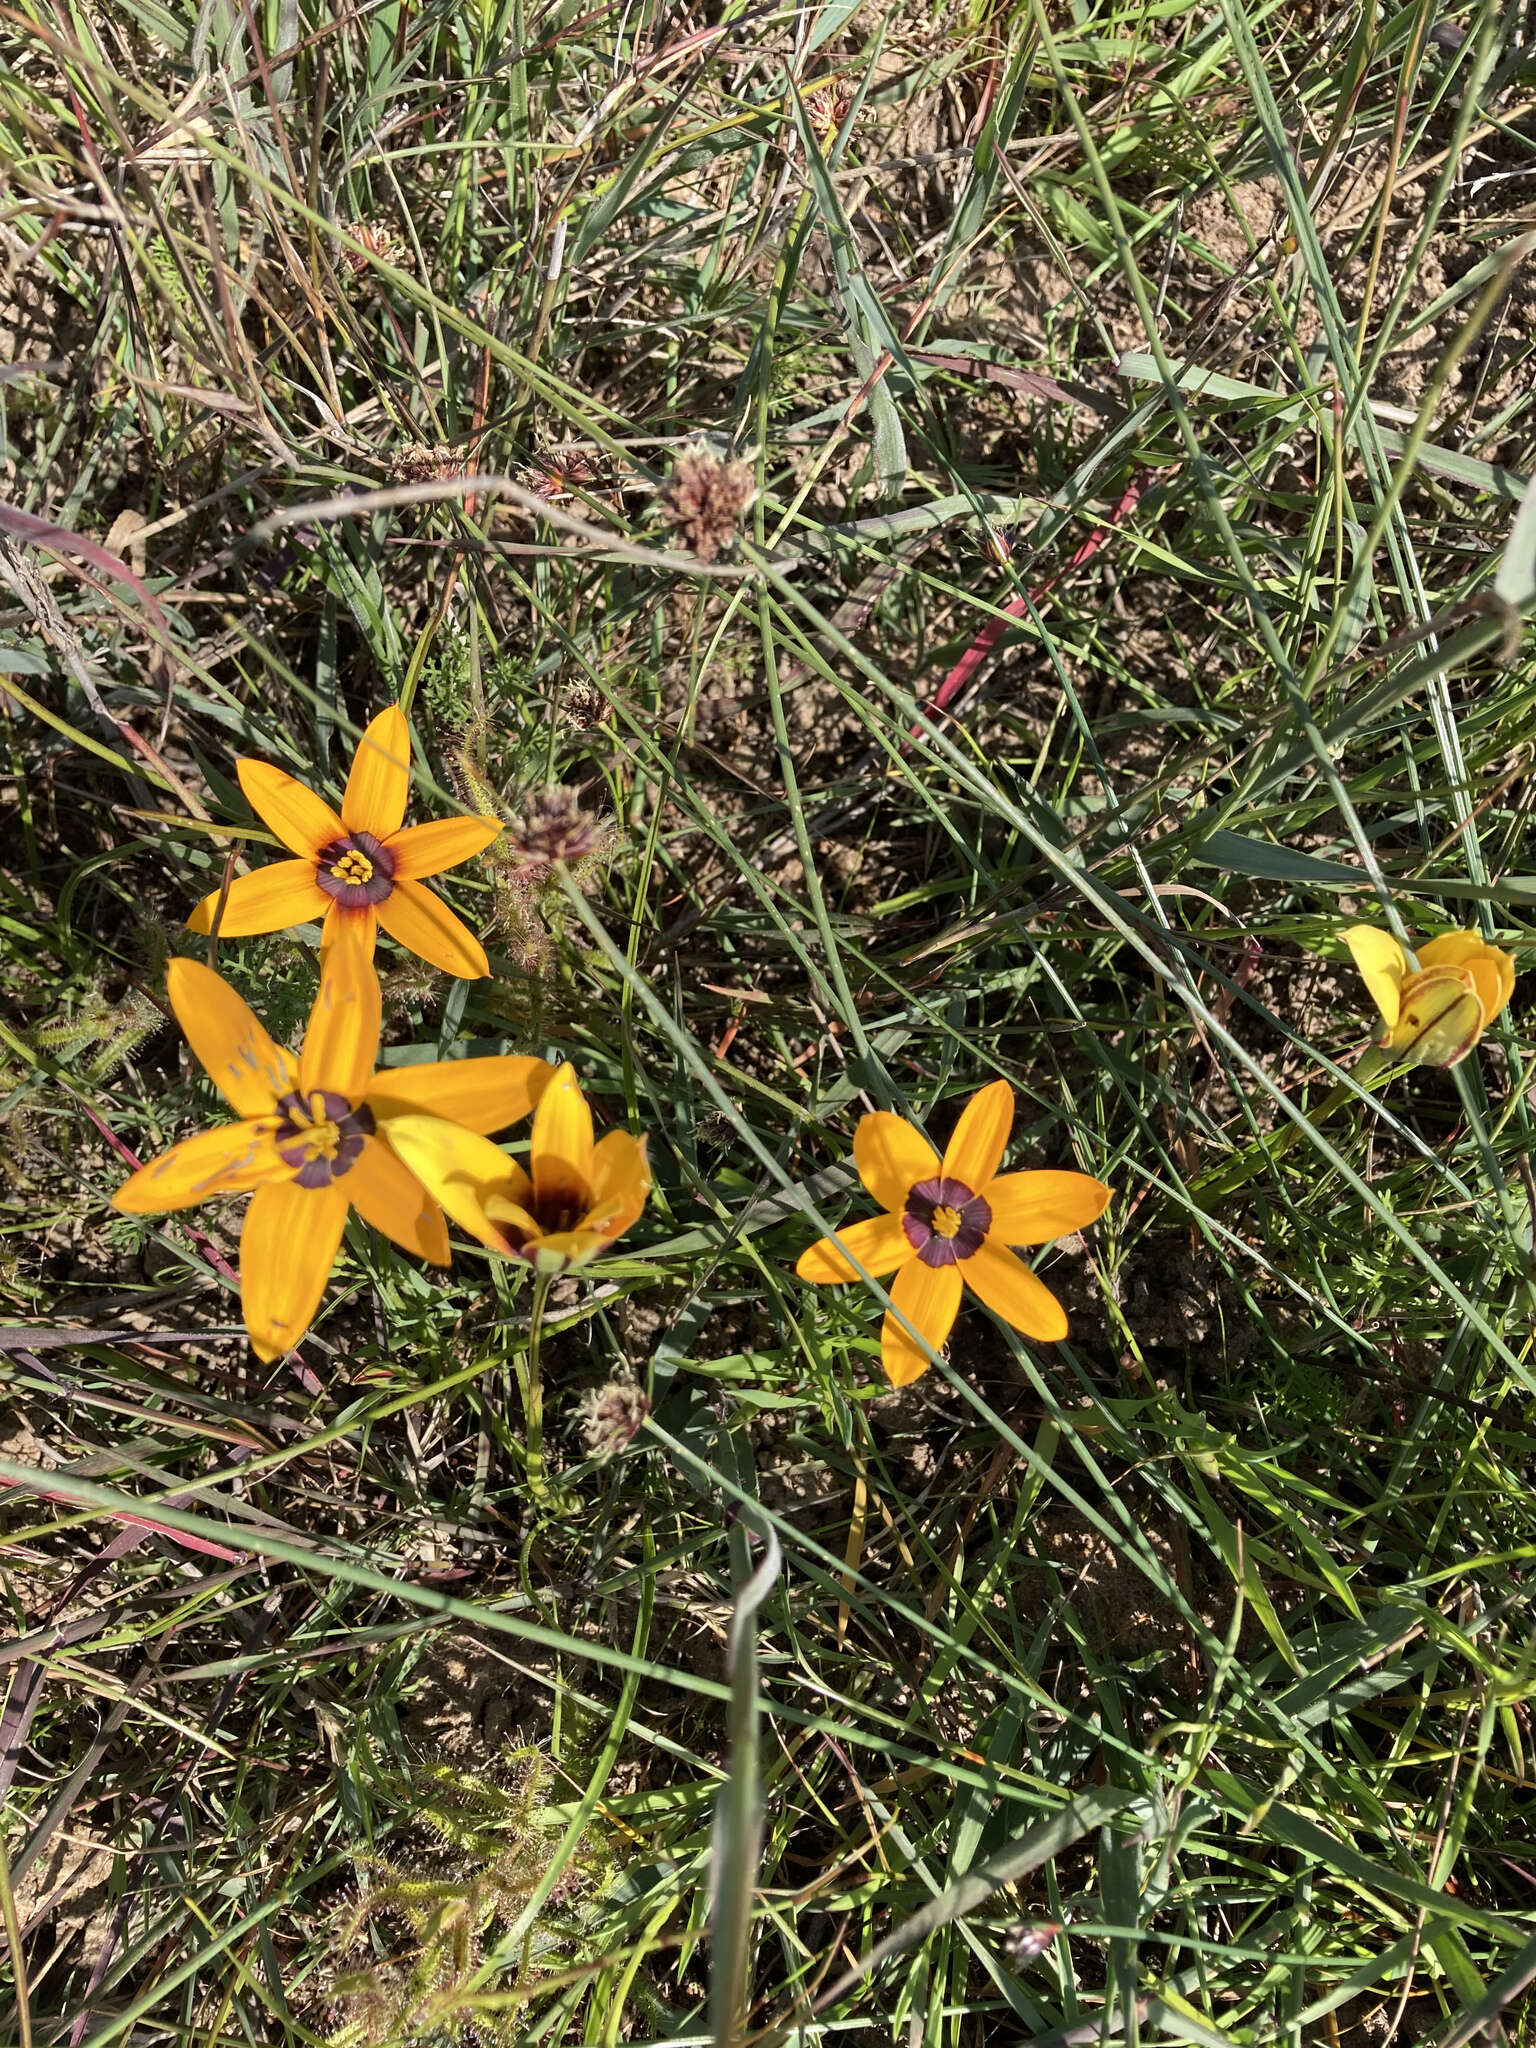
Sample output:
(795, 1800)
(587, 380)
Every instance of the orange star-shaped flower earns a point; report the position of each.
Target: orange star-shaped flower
(361, 870)
(314, 1136)
(948, 1225)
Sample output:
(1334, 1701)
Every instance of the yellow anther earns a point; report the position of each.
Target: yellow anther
(946, 1221)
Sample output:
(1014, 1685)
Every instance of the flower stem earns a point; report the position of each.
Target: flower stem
(1249, 1164)
(531, 1386)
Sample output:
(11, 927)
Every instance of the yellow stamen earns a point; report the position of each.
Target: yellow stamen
(946, 1221)
(317, 1134)
(353, 867)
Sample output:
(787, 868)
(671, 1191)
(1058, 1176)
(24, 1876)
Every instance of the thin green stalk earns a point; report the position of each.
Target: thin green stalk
(12, 1924)
(737, 1843)
(527, 1363)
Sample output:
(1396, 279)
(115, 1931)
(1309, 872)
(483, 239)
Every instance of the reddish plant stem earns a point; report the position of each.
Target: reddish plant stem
(1019, 604)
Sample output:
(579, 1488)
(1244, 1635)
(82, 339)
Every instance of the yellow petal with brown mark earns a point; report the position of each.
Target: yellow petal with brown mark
(386, 1194)
(1441, 1018)
(561, 1152)
(231, 1044)
(892, 1156)
(341, 1045)
(287, 1250)
(268, 900)
(228, 1161)
(878, 1243)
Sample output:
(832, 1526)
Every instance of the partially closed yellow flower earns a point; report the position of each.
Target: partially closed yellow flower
(575, 1199)
(1436, 1012)
(948, 1225)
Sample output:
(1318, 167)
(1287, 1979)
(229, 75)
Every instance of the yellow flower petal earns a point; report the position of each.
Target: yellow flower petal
(1492, 970)
(1010, 1290)
(270, 900)
(221, 1028)
(1441, 1020)
(511, 1208)
(380, 782)
(461, 1170)
(892, 1155)
(1493, 976)
(975, 1152)
(388, 1195)
(621, 1184)
(929, 1298)
(482, 1095)
(878, 1243)
(1505, 965)
(360, 927)
(1383, 968)
(1450, 949)
(422, 850)
(424, 924)
(555, 1251)
(562, 1152)
(228, 1161)
(304, 822)
(287, 1250)
(1032, 1208)
(341, 1045)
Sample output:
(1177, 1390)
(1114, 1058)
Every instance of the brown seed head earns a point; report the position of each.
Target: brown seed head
(377, 241)
(553, 828)
(704, 500)
(419, 464)
(583, 706)
(611, 1417)
(557, 472)
(828, 107)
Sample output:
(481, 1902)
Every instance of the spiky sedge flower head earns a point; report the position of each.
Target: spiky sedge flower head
(611, 1418)
(362, 869)
(376, 240)
(704, 499)
(422, 463)
(576, 1197)
(1435, 1012)
(558, 473)
(554, 828)
(827, 107)
(948, 1225)
(314, 1136)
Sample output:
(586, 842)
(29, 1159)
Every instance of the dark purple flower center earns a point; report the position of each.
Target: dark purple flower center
(357, 871)
(321, 1135)
(944, 1221)
(553, 1214)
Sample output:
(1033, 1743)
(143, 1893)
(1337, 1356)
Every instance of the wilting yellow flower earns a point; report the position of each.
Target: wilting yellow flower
(949, 1222)
(1434, 1014)
(576, 1198)
(314, 1135)
(362, 869)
